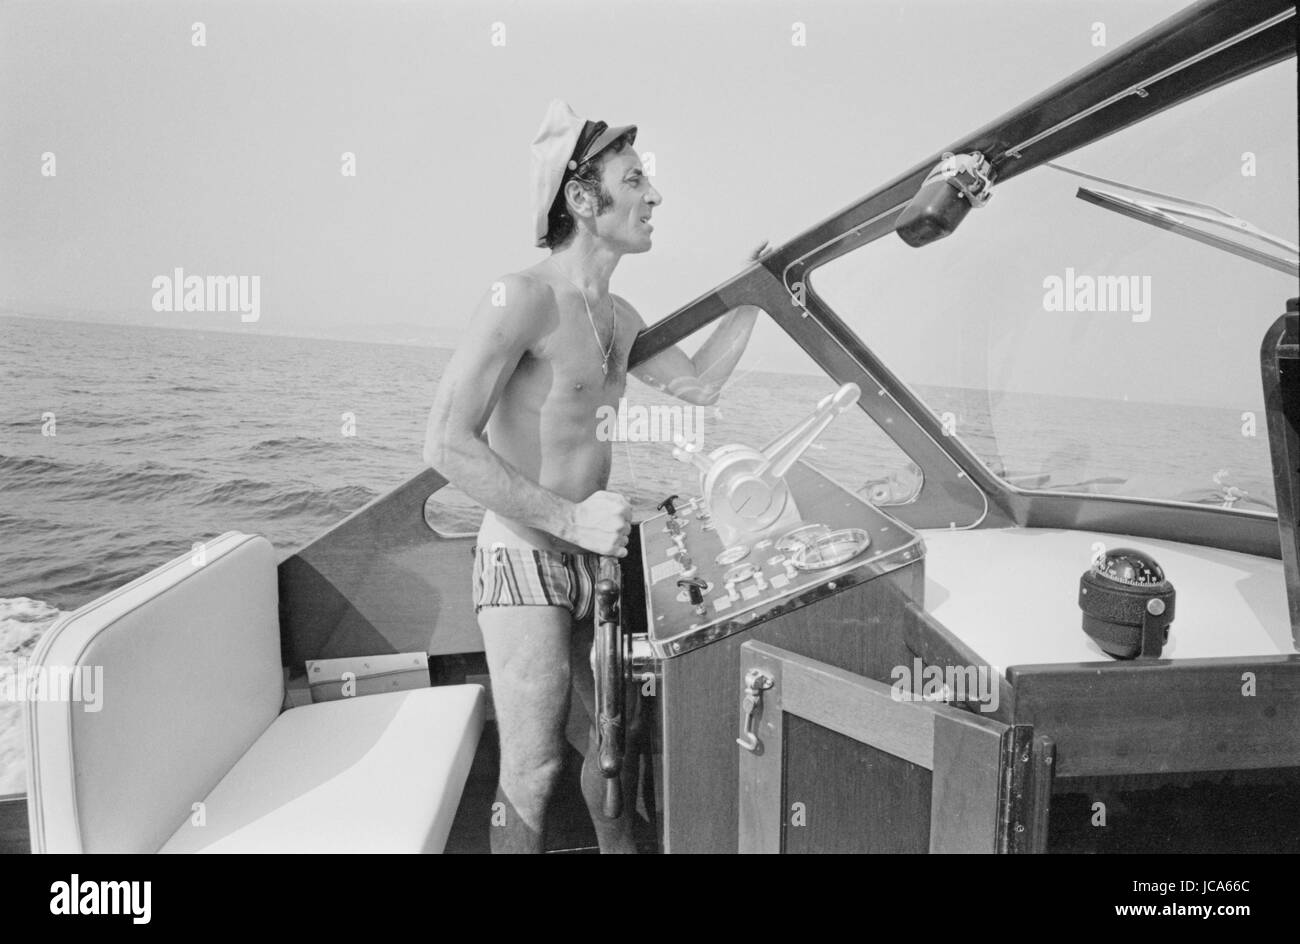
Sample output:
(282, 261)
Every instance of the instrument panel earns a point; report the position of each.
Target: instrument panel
(700, 589)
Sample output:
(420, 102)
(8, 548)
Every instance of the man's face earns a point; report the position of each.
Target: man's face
(625, 222)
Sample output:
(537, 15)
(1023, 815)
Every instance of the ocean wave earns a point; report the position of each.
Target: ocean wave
(173, 435)
(150, 480)
(281, 501)
(30, 465)
(93, 480)
(281, 447)
(22, 621)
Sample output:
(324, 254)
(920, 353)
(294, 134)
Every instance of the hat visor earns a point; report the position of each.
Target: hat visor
(606, 138)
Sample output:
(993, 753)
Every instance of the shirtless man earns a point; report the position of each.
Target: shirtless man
(541, 355)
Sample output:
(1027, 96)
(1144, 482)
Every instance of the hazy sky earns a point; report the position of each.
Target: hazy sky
(226, 159)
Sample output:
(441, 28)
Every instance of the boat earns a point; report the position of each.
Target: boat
(983, 633)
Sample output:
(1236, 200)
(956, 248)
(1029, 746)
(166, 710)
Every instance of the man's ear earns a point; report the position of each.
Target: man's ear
(577, 198)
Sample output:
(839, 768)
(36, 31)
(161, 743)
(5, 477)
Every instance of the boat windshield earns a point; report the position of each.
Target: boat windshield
(1078, 350)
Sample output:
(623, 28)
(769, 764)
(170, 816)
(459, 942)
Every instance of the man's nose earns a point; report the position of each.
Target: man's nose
(654, 197)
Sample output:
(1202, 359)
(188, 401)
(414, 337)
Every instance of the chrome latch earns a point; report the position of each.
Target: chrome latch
(756, 683)
(971, 174)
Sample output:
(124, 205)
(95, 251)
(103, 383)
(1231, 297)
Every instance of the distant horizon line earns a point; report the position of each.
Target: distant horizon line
(235, 329)
(255, 328)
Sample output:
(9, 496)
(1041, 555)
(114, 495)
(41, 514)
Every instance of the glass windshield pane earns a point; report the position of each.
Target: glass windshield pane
(775, 385)
(1075, 349)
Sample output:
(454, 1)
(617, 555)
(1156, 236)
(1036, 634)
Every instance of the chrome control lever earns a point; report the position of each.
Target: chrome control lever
(782, 452)
(744, 489)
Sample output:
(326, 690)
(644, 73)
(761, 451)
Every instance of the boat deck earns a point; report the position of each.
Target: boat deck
(1012, 595)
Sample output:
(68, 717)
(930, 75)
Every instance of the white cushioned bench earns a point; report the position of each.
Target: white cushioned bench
(189, 750)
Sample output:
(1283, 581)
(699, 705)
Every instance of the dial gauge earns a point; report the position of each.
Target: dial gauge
(740, 572)
(732, 554)
(801, 536)
(830, 549)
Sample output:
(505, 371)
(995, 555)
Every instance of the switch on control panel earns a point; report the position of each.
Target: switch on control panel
(695, 587)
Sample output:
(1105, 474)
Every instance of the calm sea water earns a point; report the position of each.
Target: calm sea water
(162, 438)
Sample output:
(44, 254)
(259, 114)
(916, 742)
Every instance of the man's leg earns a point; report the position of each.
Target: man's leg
(528, 658)
(613, 835)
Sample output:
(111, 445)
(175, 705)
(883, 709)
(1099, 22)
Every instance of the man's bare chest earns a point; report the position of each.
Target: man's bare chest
(587, 365)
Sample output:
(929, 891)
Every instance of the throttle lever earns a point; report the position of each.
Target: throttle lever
(782, 452)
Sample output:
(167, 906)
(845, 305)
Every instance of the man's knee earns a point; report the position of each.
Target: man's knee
(531, 778)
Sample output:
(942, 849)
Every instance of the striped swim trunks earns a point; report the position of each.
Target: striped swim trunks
(520, 576)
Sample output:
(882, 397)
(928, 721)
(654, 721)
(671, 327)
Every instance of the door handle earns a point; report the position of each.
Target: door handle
(756, 682)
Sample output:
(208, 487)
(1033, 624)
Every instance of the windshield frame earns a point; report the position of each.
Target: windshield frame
(1208, 45)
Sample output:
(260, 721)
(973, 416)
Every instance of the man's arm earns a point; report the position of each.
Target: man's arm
(699, 379)
(498, 336)
(467, 394)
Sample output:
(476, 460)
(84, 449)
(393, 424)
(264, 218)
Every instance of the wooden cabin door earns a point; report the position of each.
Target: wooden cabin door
(835, 762)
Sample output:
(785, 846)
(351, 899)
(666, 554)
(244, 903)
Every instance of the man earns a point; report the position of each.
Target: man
(542, 354)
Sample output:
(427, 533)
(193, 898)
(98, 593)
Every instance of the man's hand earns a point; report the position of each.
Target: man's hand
(602, 523)
(760, 251)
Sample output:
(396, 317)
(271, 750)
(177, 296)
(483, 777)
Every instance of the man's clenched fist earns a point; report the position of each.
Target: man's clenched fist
(602, 523)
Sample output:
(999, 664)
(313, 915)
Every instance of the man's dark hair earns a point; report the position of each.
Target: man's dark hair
(559, 222)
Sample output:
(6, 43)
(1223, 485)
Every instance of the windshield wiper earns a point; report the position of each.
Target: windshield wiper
(1169, 212)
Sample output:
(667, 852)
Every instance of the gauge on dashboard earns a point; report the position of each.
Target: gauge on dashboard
(832, 548)
(739, 572)
(732, 554)
(801, 537)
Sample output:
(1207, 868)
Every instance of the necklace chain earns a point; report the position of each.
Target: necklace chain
(605, 351)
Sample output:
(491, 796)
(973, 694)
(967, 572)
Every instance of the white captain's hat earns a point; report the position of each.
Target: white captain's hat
(563, 143)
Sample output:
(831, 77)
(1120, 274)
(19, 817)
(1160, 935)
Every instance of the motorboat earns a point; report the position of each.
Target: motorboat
(1015, 569)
